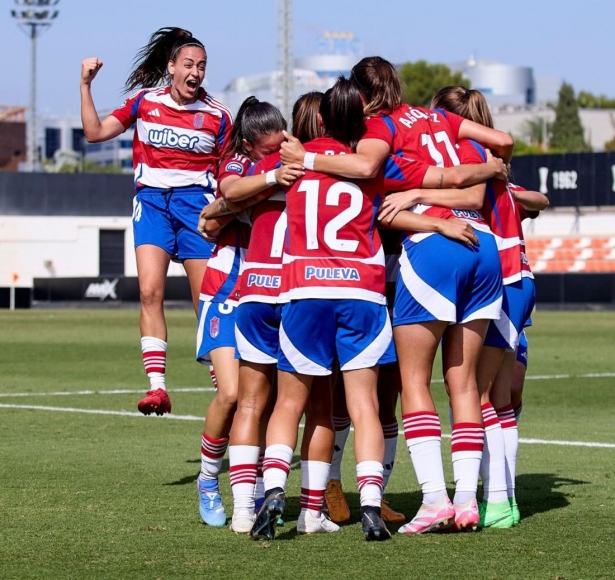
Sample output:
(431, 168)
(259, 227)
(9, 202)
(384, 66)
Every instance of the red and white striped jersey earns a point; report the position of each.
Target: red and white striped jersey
(333, 249)
(262, 277)
(176, 145)
(222, 278)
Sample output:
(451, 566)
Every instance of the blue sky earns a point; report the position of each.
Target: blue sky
(567, 39)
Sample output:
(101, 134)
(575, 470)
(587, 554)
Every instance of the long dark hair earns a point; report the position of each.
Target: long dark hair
(305, 117)
(379, 84)
(150, 64)
(341, 110)
(255, 119)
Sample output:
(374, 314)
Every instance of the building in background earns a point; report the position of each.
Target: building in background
(337, 53)
(12, 137)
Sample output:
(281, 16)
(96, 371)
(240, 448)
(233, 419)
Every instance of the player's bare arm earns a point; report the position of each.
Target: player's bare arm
(95, 130)
(454, 229)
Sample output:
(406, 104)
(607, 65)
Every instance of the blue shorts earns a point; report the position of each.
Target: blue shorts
(316, 332)
(440, 279)
(257, 332)
(216, 329)
(169, 219)
(522, 349)
(517, 305)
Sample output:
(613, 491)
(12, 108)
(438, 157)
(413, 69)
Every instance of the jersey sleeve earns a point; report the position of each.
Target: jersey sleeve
(401, 173)
(127, 114)
(238, 165)
(223, 138)
(266, 164)
(470, 152)
(380, 128)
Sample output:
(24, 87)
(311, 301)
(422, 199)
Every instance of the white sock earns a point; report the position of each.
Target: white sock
(342, 429)
(314, 477)
(259, 492)
(154, 351)
(423, 438)
(369, 478)
(467, 450)
(493, 464)
(212, 454)
(276, 466)
(243, 462)
(391, 433)
(508, 421)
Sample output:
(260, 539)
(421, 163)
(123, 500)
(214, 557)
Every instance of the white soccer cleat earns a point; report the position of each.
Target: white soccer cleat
(242, 521)
(308, 523)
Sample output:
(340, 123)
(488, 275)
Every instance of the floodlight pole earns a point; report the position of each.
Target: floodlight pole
(34, 16)
(285, 57)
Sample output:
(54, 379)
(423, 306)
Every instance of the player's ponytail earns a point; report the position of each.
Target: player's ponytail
(379, 84)
(468, 103)
(341, 110)
(255, 119)
(305, 117)
(150, 64)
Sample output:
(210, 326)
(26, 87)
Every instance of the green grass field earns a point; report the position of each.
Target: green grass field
(109, 496)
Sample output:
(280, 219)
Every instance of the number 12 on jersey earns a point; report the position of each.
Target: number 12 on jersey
(311, 188)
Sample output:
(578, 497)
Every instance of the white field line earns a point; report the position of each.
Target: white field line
(211, 389)
(195, 418)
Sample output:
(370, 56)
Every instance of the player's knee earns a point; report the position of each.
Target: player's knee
(151, 296)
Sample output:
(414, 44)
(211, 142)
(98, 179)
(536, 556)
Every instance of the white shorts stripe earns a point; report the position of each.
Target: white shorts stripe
(299, 361)
(249, 352)
(374, 352)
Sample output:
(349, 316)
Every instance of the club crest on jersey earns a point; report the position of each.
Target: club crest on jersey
(214, 327)
(264, 281)
(234, 167)
(331, 273)
(199, 119)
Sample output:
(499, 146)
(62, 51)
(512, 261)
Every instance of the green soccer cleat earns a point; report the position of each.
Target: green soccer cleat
(496, 515)
(515, 510)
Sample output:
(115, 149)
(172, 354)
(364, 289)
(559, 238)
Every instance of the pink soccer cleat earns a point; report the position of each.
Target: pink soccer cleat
(467, 517)
(431, 518)
(155, 402)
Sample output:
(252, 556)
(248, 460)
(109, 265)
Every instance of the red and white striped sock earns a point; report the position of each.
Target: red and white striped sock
(518, 410)
(369, 478)
(467, 450)
(214, 379)
(243, 461)
(212, 453)
(276, 466)
(314, 477)
(423, 438)
(154, 360)
(493, 464)
(342, 429)
(259, 492)
(391, 432)
(506, 415)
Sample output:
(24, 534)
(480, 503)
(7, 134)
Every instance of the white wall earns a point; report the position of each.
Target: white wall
(567, 223)
(62, 247)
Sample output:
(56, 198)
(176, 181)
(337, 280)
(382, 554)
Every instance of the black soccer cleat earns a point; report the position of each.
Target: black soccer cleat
(267, 518)
(374, 528)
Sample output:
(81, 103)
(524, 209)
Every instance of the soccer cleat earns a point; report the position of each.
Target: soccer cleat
(431, 518)
(242, 521)
(339, 512)
(308, 523)
(467, 517)
(374, 528)
(496, 515)
(157, 401)
(267, 518)
(210, 503)
(515, 510)
(389, 515)
(258, 504)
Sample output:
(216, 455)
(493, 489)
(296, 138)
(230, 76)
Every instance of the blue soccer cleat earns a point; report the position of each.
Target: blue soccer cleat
(210, 503)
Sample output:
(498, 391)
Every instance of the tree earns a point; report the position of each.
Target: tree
(422, 80)
(537, 132)
(590, 101)
(567, 128)
(610, 145)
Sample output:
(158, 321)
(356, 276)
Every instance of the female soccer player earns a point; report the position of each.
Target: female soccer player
(256, 133)
(334, 277)
(258, 319)
(181, 134)
(431, 293)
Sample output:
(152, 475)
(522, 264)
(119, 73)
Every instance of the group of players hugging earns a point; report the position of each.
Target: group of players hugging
(326, 269)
